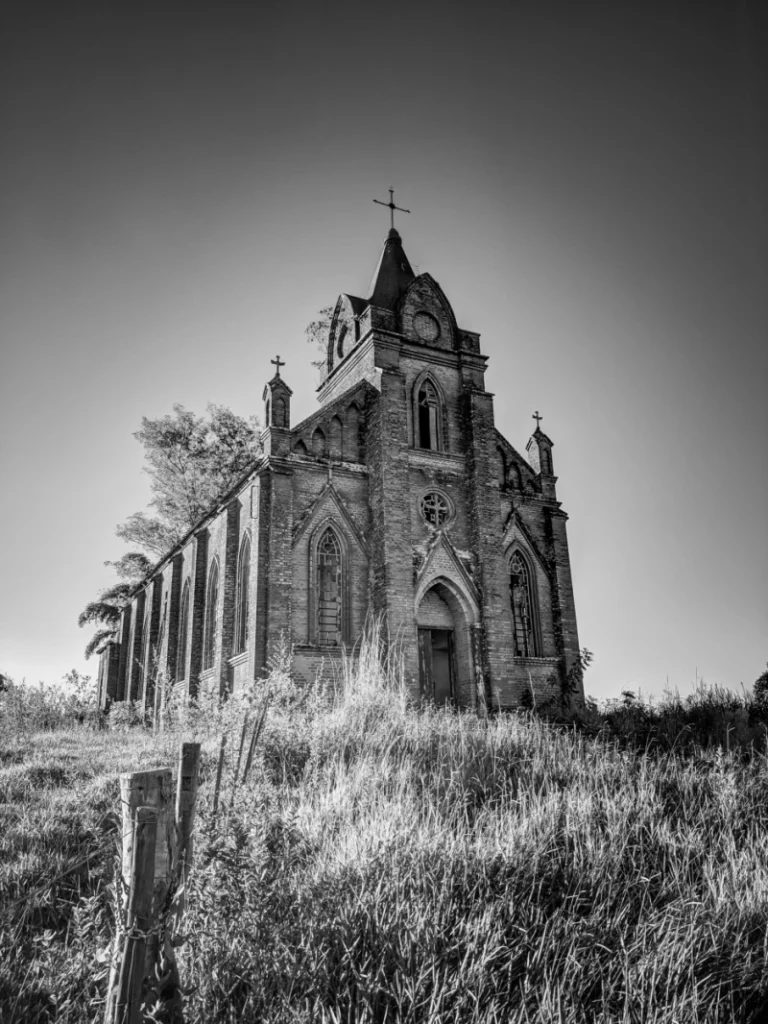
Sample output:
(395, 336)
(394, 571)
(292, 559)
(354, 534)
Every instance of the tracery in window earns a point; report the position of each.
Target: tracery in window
(209, 629)
(428, 406)
(434, 509)
(328, 586)
(521, 594)
(241, 598)
(181, 647)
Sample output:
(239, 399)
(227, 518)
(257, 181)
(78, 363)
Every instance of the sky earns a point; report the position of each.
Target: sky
(183, 188)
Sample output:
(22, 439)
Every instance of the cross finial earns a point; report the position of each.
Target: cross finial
(537, 418)
(392, 207)
(278, 363)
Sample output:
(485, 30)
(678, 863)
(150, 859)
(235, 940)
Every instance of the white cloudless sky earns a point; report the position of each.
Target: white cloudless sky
(180, 192)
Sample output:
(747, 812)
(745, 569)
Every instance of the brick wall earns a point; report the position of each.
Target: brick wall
(369, 484)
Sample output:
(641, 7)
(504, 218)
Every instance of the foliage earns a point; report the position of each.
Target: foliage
(107, 609)
(27, 709)
(760, 688)
(192, 461)
(316, 333)
(383, 863)
(134, 566)
(98, 642)
(106, 613)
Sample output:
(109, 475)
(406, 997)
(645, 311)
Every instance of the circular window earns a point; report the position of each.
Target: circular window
(426, 327)
(435, 509)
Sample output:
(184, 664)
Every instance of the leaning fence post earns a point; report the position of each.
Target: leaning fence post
(186, 795)
(139, 918)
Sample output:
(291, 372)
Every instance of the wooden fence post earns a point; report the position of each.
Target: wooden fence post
(186, 796)
(139, 918)
(157, 852)
(151, 791)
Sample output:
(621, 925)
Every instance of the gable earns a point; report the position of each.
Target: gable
(442, 561)
(515, 530)
(329, 505)
(426, 317)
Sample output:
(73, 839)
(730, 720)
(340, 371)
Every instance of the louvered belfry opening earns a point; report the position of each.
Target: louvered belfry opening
(329, 596)
(429, 407)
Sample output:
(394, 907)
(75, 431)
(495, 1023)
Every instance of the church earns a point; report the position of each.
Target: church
(396, 499)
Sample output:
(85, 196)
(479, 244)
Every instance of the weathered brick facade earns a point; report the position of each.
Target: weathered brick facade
(397, 498)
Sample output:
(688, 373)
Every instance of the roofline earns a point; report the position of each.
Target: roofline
(221, 502)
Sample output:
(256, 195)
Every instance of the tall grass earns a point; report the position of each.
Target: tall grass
(383, 863)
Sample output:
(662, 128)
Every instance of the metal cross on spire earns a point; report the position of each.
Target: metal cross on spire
(537, 418)
(392, 207)
(278, 363)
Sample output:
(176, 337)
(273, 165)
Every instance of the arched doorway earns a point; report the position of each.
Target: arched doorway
(445, 647)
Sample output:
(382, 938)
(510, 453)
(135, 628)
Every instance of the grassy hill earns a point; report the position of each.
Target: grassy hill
(387, 864)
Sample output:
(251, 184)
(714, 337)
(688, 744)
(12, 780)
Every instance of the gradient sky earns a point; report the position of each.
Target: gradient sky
(181, 189)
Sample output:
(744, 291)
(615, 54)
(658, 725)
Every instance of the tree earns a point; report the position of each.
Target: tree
(191, 461)
(760, 689)
(316, 332)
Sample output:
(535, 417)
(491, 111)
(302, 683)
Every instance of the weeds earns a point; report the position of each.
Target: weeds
(374, 862)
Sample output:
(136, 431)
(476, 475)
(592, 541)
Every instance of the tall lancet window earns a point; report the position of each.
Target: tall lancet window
(521, 592)
(181, 648)
(241, 601)
(328, 590)
(211, 607)
(145, 655)
(429, 416)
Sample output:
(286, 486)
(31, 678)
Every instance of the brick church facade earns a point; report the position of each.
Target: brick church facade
(398, 498)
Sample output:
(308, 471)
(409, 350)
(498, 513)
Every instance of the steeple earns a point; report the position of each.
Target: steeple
(539, 450)
(392, 275)
(277, 414)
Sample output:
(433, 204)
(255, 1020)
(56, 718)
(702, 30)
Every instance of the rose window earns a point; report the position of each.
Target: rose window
(434, 508)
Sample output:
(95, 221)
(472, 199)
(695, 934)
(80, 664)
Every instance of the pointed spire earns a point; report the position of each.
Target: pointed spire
(392, 275)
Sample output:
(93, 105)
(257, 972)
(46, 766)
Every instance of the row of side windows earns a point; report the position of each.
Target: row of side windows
(329, 589)
(210, 614)
(327, 586)
(339, 438)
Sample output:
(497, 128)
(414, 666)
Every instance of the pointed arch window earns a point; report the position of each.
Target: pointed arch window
(523, 607)
(181, 646)
(318, 444)
(351, 434)
(428, 417)
(211, 608)
(145, 655)
(328, 590)
(279, 413)
(241, 599)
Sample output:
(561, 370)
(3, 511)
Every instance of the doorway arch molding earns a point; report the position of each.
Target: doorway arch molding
(454, 594)
(465, 615)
